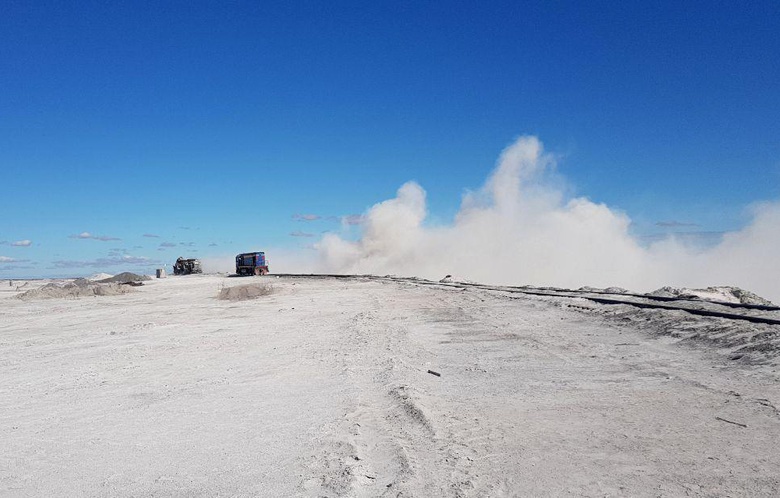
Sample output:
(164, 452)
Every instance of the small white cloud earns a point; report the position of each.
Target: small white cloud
(22, 243)
(87, 235)
(306, 217)
(6, 259)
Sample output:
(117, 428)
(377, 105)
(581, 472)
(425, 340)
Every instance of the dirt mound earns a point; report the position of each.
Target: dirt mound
(455, 279)
(124, 278)
(608, 290)
(722, 294)
(245, 292)
(747, 297)
(78, 288)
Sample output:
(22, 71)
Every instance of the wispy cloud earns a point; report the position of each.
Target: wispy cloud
(675, 224)
(353, 219)
(87, 235)
(167, 244)
(135, 260)
(692, 238)
(212, 245)
(298, 233)
(306, 217)
(151, 236)
(6, 259)
(187, 244)
(5, 268)
(104, 262)
(22, 243)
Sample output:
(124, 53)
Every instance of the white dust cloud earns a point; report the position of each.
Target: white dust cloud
(520, 228)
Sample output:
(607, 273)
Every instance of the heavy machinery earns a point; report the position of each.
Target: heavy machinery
(184, 266)
(251, 263)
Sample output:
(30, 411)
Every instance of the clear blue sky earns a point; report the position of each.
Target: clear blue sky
(210, 125)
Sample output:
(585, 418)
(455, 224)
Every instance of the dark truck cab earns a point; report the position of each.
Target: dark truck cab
(185, 266)
(251, 263)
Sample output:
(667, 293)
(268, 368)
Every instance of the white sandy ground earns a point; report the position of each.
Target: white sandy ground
(321, 389)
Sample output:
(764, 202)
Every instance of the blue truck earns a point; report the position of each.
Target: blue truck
(251, 263)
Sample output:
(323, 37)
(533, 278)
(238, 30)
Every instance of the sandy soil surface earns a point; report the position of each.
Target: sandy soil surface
(321, 387)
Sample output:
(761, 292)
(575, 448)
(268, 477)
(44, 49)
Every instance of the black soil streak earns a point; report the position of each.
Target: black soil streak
(735, 329)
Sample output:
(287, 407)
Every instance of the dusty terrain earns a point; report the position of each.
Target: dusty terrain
(321, 387)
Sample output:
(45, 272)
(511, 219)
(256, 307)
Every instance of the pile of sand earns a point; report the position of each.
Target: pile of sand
(449, 279)
(78, 288)
(724, 294)
(608, 290)
(99, 276)
(245, 292)
(124, 278)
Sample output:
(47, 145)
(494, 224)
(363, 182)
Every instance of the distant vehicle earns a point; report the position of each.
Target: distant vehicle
(251, 263)
(184, 266)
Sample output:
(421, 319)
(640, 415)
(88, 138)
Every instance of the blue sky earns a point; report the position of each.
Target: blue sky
(135, 132)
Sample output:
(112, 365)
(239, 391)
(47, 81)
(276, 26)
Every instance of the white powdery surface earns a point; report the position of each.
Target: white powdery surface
(322, 388)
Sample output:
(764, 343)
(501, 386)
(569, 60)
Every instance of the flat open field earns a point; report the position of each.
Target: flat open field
(321, 387)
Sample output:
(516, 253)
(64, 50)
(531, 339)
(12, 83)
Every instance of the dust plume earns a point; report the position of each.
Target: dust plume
(521, 228)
